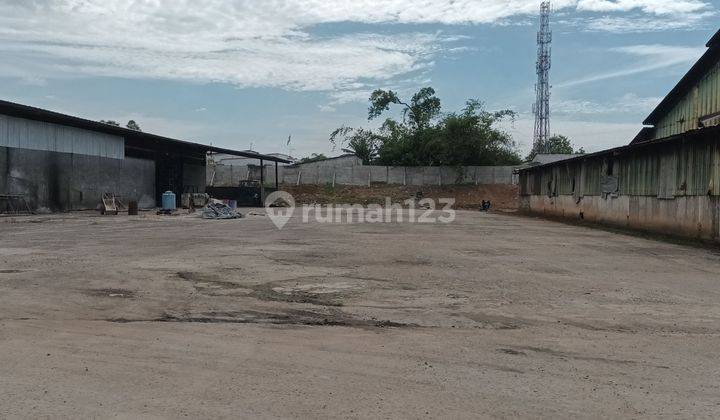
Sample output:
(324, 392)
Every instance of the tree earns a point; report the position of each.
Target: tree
(360, 142)
(133, 125)
(313, 158)
(423, 107)
(426, 137)
(557, 144)
(110, 122)
(470, 137)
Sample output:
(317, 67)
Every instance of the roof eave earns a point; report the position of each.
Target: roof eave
(39, 114)
(711, 56)
(633, 146)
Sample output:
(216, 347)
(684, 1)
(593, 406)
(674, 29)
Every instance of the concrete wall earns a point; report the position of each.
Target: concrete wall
(344, 161)
(430, 175)
(226, 175)
(691, 216)
(66, 181)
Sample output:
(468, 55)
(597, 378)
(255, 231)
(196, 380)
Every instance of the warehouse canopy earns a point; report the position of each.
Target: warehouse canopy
(134, 140)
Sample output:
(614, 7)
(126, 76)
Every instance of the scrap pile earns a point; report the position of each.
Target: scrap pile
(216, 210)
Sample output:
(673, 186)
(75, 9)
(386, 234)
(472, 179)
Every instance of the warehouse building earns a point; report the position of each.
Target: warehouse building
(666, 180)
(60, 162)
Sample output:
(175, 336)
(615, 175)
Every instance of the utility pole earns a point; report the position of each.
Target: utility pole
(541, 109)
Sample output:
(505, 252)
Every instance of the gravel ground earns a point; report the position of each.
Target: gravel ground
(489, 316)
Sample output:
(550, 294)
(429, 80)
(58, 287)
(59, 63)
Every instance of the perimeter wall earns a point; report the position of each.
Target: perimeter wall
(343, 174)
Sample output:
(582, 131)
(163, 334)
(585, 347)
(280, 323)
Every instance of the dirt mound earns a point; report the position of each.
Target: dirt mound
(503, 197)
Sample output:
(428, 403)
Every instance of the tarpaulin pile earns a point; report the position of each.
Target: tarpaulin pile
(219, 211)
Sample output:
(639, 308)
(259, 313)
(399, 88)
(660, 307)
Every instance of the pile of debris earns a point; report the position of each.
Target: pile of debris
(218, 210)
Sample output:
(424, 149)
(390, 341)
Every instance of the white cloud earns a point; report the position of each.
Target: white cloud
(246, 43)
(252, 43)
(629, 103)
(647, 57)
(590, 135)
(644, 24)
(326, 108)
(657, 7)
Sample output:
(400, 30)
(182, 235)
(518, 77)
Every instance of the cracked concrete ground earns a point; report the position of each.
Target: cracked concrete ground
(490, 316)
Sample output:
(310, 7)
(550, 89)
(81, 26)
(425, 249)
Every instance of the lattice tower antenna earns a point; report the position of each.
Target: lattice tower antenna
(541, 109)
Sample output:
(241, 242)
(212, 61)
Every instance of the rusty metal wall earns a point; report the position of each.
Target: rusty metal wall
(690, 168)
(701, 100)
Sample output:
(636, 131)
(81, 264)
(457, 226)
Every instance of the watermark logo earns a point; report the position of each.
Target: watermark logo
(280, 207)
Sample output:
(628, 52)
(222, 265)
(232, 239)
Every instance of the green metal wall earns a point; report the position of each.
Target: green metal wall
(702, 100)
(667, 170)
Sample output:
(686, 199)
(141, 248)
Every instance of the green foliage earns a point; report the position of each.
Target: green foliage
(313, 158)
(133, 125)
(557, 144)
(426, 137)
(422, 109)
(328, 188)
(362, 143)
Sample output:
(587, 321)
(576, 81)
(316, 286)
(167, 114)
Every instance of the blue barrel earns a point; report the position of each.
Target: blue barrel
(168, 200)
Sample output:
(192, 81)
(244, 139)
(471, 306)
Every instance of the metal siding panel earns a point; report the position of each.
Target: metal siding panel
(102, 148)
(18, 133)
(38, 135)
(3, 131)
(64, 140)
(28, 141)
(703, 99)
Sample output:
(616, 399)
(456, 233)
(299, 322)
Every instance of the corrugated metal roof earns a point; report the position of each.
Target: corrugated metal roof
(546, 158)
(645, 134)
(709, 131)
(709, 59)
(714, 41)
(148, 140)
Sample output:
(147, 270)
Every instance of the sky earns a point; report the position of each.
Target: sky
(248, 74)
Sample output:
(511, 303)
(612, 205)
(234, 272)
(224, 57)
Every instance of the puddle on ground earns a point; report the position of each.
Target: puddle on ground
(316, 291)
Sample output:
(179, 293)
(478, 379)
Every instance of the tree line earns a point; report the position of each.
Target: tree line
(425, 136)
(132, 125)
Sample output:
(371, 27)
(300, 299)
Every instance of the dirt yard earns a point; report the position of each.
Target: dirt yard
(490, 316)
(503, 197)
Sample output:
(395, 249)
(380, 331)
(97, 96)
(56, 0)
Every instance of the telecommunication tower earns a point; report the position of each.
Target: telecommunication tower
(541, 109)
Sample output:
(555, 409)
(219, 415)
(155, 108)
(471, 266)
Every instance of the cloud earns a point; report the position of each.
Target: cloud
(629, 103)
(245, 43)
(326, 108)
(590, 135)
(286, 62)
(268, 43)
(648, 57)
(657, 7)
(645, 24)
